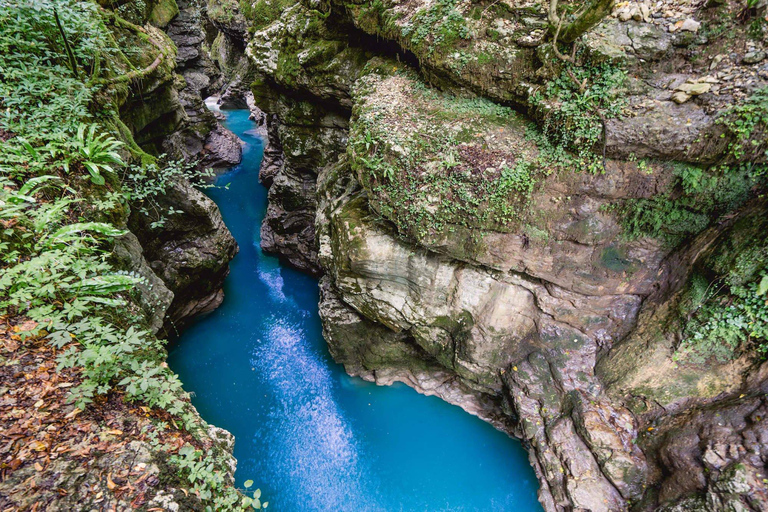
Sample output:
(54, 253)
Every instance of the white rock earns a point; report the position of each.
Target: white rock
(645, 11)
(690, 25)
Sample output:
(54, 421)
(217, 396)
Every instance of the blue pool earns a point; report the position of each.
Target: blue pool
(310, 436)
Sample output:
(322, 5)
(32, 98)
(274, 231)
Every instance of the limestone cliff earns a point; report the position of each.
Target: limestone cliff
(542, 237)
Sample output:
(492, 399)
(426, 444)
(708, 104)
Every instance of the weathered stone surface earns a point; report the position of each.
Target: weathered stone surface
(274, 159)
(630, 39)
(156, 298)
(649, 362)
(190, 253)
(717, 454)
(467, 333)
(563, 233)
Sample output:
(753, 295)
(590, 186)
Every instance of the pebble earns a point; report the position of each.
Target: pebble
(753, 57)
(716, 61)
(695, 89)
(690, 25)
(680, 97)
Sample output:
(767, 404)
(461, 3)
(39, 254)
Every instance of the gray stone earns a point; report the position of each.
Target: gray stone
(753, 57)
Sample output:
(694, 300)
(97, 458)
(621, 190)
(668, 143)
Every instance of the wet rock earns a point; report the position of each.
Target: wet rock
(437, 316)
(222, 149)
(274, 159)
(717, 454)
(198, 135)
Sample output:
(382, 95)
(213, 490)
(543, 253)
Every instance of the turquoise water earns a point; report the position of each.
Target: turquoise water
(310, 436)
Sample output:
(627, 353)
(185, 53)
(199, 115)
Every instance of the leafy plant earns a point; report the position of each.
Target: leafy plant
(143, 185)
(747, 127)
(696, 197)
(574, 115)
(210, 483)
(725, 324)
(96, 152)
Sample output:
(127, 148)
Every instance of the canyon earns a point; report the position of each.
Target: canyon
(529, 229)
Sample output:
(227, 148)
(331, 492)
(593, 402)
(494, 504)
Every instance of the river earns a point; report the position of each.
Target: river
(310, 436)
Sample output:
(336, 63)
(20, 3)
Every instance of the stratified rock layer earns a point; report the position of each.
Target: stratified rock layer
(469, 254)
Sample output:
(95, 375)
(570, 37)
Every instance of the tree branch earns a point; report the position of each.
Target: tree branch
(588, 16)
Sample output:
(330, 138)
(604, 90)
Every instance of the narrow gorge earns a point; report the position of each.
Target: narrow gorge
(550, 214)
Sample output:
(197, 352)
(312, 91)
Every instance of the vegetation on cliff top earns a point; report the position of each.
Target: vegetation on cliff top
(63, 150)
(436, 161)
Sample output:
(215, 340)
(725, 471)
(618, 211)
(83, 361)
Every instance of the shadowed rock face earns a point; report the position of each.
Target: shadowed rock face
(200, 136)
(190, 252)
(460, 258)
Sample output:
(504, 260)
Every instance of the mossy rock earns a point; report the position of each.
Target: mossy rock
(163, 12)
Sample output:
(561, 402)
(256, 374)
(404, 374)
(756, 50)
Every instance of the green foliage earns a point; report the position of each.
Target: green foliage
(747, 128)
(572, 117)
(724, 307)
(57, 274)
(58, 230)
(40, 95)
(97, 153)
(696, 197)
(145, 184)
(724, 324)
(210, 483)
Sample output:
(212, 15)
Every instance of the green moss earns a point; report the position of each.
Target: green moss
(163, 12)
(437, 28)
(262, 13)
(223, 11)
(615, 259)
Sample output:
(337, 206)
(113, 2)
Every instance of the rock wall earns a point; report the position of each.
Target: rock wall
(166, 114)
(472, 248)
